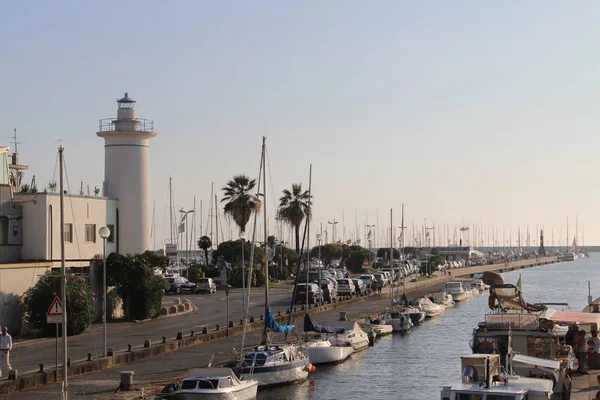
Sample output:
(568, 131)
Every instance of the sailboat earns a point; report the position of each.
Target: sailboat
(271, 364)
(63, 274)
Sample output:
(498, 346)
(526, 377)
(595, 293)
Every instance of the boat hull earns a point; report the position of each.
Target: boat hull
(245, 393)
(329, 355)
(462, 296)
(279, 374)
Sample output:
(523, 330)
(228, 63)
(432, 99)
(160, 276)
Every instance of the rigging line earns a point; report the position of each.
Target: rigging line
(267, 159)
(75, 220)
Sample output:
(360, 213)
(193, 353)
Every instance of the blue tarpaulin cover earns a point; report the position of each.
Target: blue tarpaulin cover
(274, 326)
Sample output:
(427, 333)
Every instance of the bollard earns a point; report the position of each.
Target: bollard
(179, 335)
(41, 368)
(205, 330)
(301, 308)
(110, 352)
(217, 328)
(252, 319)
(126, 380)
(343, 316)
(261, 317)
(68, 361)
(89, 357)
(241, 322)
(192, 333)
(295, 309)
(129, 348)
(147, 343)
(13, 375)
(164, 339)
(279, 313)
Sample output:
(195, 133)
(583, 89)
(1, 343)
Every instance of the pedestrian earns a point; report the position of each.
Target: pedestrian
(581, 351)
(374, 286)
(594, 343)
(5, 348)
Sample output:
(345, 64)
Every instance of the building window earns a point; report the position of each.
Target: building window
(68, 233)
(90, 233)
(3, 230)
(111, 237)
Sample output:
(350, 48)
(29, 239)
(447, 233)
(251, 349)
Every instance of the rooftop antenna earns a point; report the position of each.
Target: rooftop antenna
(14, 138)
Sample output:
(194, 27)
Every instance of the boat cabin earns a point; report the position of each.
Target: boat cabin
(210, 378)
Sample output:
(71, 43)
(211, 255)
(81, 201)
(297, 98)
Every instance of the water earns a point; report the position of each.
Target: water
(416, 365)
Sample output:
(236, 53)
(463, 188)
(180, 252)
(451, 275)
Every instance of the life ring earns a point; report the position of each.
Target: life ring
(485, 347)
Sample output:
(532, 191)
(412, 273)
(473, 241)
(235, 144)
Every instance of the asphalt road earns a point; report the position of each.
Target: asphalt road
(212, 310)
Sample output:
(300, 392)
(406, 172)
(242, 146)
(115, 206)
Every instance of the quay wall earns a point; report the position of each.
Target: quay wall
(208, 333)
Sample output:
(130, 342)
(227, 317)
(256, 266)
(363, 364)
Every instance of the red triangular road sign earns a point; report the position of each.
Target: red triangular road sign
(56, 308)
(366, 263)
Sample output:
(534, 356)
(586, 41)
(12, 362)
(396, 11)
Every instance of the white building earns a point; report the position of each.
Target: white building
(30, 239)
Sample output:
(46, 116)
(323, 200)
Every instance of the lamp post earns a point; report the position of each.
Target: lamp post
(369, 238)
(242, 237)
(333, 224)
(319, 239)
(104, 233)
(187, 243)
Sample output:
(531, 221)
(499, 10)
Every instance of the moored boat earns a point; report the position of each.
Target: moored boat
(216, 383)
(430, 308)
(321, 350)
(457, 290)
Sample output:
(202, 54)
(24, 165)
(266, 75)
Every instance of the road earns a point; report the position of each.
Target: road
(212, 310)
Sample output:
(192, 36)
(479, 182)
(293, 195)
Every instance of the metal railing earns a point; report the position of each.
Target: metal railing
(134, 124)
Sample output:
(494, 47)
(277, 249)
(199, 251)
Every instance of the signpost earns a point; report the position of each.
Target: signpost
(54, 315)
(366, 264)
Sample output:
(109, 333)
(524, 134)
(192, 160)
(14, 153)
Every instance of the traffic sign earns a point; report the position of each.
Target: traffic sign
(56, 308)
(366, 264)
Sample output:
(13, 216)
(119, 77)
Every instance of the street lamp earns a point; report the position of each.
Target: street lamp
(319, 239)
(242, 237)
(369, 235)
(333, 224)
(369, 238)
(187, 244)
(104, 233)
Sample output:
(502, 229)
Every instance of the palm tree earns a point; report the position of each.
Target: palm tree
(293, 208)
(240, 202)
(205, 243)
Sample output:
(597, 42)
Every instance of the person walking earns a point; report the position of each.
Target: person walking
(581, 351)
(5, 348)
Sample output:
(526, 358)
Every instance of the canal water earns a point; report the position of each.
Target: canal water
(416, 365)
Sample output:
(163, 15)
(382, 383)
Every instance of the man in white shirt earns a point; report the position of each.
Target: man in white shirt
(5, 348)
(594, 343)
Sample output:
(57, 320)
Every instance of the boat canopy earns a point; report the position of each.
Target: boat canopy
(537, 362)
(570, 317)
(274, 326)
(509, 297)
(312, 326)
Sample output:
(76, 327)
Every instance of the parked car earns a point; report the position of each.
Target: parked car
(367, 279)
(328, 289)
(361, 288)
(179, 284)
(207, 285)
(346, 287)
(313, 293)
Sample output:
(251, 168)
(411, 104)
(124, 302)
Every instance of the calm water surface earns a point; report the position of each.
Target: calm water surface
(414, 366)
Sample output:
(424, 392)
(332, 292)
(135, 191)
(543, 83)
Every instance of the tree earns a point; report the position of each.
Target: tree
(141, 290)
(329, 252)
(231, 252)
(205, 243)
(384, 252)
(52, 187)
(412, 251)
(240, 202)
(154, 260)
(357, 257)
(80, 303)
(294, 206)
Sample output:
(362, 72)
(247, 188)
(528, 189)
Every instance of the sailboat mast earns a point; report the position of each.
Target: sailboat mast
(171, 209)
(266, 255)
(63, 271)
(216, 222)
(402, 235)
(392, 252)
(308, 234)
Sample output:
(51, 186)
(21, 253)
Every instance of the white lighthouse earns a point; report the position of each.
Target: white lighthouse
(127, 174)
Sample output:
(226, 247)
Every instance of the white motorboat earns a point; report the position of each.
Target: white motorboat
(477, 282)
(352, 335)
(276, 364)
(379, 329)
(323, 352)
(414, 313)
(482, 379)
(443, 298)
(430, 308)
(458, 291)
(398, 322)
(216, 383)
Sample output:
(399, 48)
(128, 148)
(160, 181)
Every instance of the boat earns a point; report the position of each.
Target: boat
(349, 334)
(458, 291)
(443, 298)
(482, 379)
(321, 350)
(477, 281)
(271, 364)
(430, 308)
(216, 383)
(414, 313)
(378, 329)
(532, 330)
(398, 322)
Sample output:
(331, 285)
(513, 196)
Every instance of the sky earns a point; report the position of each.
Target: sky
(479, 114)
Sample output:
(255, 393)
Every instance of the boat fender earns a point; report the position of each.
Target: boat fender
(310, 368)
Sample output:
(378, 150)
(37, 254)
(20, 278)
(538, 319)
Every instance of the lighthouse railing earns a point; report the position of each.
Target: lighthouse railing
(134, 124)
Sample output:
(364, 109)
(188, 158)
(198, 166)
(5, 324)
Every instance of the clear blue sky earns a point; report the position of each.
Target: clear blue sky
(466, 111)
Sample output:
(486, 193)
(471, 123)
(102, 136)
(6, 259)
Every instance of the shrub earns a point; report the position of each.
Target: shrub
(80, 303)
